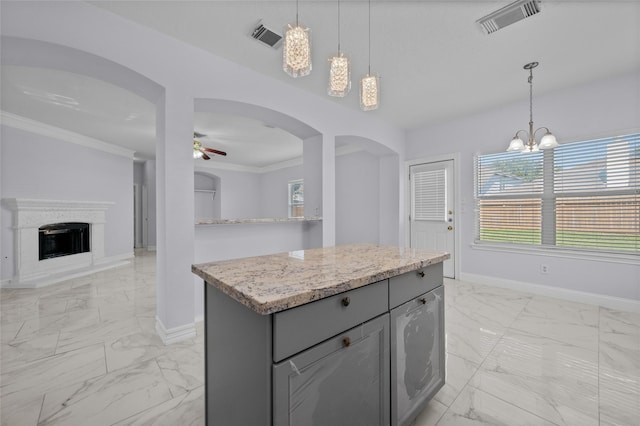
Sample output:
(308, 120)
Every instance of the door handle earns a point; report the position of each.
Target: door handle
(449, 227)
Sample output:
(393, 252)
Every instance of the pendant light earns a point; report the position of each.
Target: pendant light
(370, 83)
(296, 51)
(339, 70)
(548, 140)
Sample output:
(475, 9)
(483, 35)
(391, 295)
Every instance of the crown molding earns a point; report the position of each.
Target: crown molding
(33, 126)
(342, 150)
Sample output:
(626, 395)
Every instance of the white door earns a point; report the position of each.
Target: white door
(431, 218)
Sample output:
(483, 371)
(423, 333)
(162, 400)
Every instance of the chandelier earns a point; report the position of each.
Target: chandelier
(370, 83)
(548, 140)
(296, 51)
(339, 70)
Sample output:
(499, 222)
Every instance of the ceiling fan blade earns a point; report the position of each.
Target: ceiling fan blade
(205, 156)
(198, 134)
(215, 151)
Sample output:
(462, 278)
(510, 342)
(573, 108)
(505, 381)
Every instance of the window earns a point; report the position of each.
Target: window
(581, 195)
(296, 198)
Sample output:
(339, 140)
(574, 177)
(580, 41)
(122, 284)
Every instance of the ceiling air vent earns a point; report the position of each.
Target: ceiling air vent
(265, 35)
(509, 14)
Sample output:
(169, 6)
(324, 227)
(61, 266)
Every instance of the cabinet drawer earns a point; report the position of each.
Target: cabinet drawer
(405, 287)
(299, 328)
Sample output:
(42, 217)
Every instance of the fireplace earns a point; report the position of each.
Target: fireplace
(63, 239)
(57, 239)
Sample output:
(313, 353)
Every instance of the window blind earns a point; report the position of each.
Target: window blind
(596, 187)
(509, 188)
(430, 195)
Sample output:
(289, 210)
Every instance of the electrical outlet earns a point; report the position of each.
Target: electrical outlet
(544, 269)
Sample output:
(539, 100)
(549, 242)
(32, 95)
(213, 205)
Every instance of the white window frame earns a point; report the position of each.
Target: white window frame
(290, 197)
(548, 231)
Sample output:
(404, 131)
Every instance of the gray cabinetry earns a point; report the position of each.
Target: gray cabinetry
(342, 381)
(370, 356)
(417, 354)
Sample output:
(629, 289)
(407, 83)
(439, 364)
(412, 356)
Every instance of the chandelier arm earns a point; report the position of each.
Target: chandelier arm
(522, 130)
(541, 128)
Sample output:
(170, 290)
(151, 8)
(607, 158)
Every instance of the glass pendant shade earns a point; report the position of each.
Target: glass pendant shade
(196, 149)
(528, 149)
(296, 60)
(339, 75)
(548, 141)
(516, 145)
(369, 92)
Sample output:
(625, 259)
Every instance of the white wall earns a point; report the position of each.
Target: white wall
(603, 108)
(238, 194)
(40, 167)
(90, 31)
(357, 198)
(274, 198)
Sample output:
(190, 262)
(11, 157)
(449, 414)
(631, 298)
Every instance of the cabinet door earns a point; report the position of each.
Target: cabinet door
(342, 381)
(417, 354)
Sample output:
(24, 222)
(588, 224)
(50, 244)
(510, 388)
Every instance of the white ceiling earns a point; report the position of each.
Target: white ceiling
(434, 62)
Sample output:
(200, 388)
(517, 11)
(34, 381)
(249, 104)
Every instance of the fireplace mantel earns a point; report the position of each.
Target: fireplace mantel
(30, 214)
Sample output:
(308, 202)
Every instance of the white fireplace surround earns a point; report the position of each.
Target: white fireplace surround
(29, 215)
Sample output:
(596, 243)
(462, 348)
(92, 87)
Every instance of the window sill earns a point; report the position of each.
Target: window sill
(629, 259)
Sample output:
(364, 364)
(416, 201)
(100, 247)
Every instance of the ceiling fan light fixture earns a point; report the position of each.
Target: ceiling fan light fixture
(197, 147)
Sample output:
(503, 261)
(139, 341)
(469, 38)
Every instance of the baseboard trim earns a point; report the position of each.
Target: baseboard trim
(619, 303)
(46, 280)
(151, 248)
(175, 334)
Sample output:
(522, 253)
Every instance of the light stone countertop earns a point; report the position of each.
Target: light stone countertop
(272, 283)
(257, 220)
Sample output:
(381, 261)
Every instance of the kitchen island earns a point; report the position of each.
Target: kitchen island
(342, 335)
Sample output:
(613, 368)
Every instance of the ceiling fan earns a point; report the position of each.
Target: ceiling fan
(200, 151)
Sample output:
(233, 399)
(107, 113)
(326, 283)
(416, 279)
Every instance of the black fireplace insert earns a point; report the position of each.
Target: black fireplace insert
(63, 239)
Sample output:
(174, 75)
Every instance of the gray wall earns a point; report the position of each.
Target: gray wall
(40, 167)
(604, 108)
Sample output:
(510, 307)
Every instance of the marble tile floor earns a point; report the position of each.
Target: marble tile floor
(85, 352)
